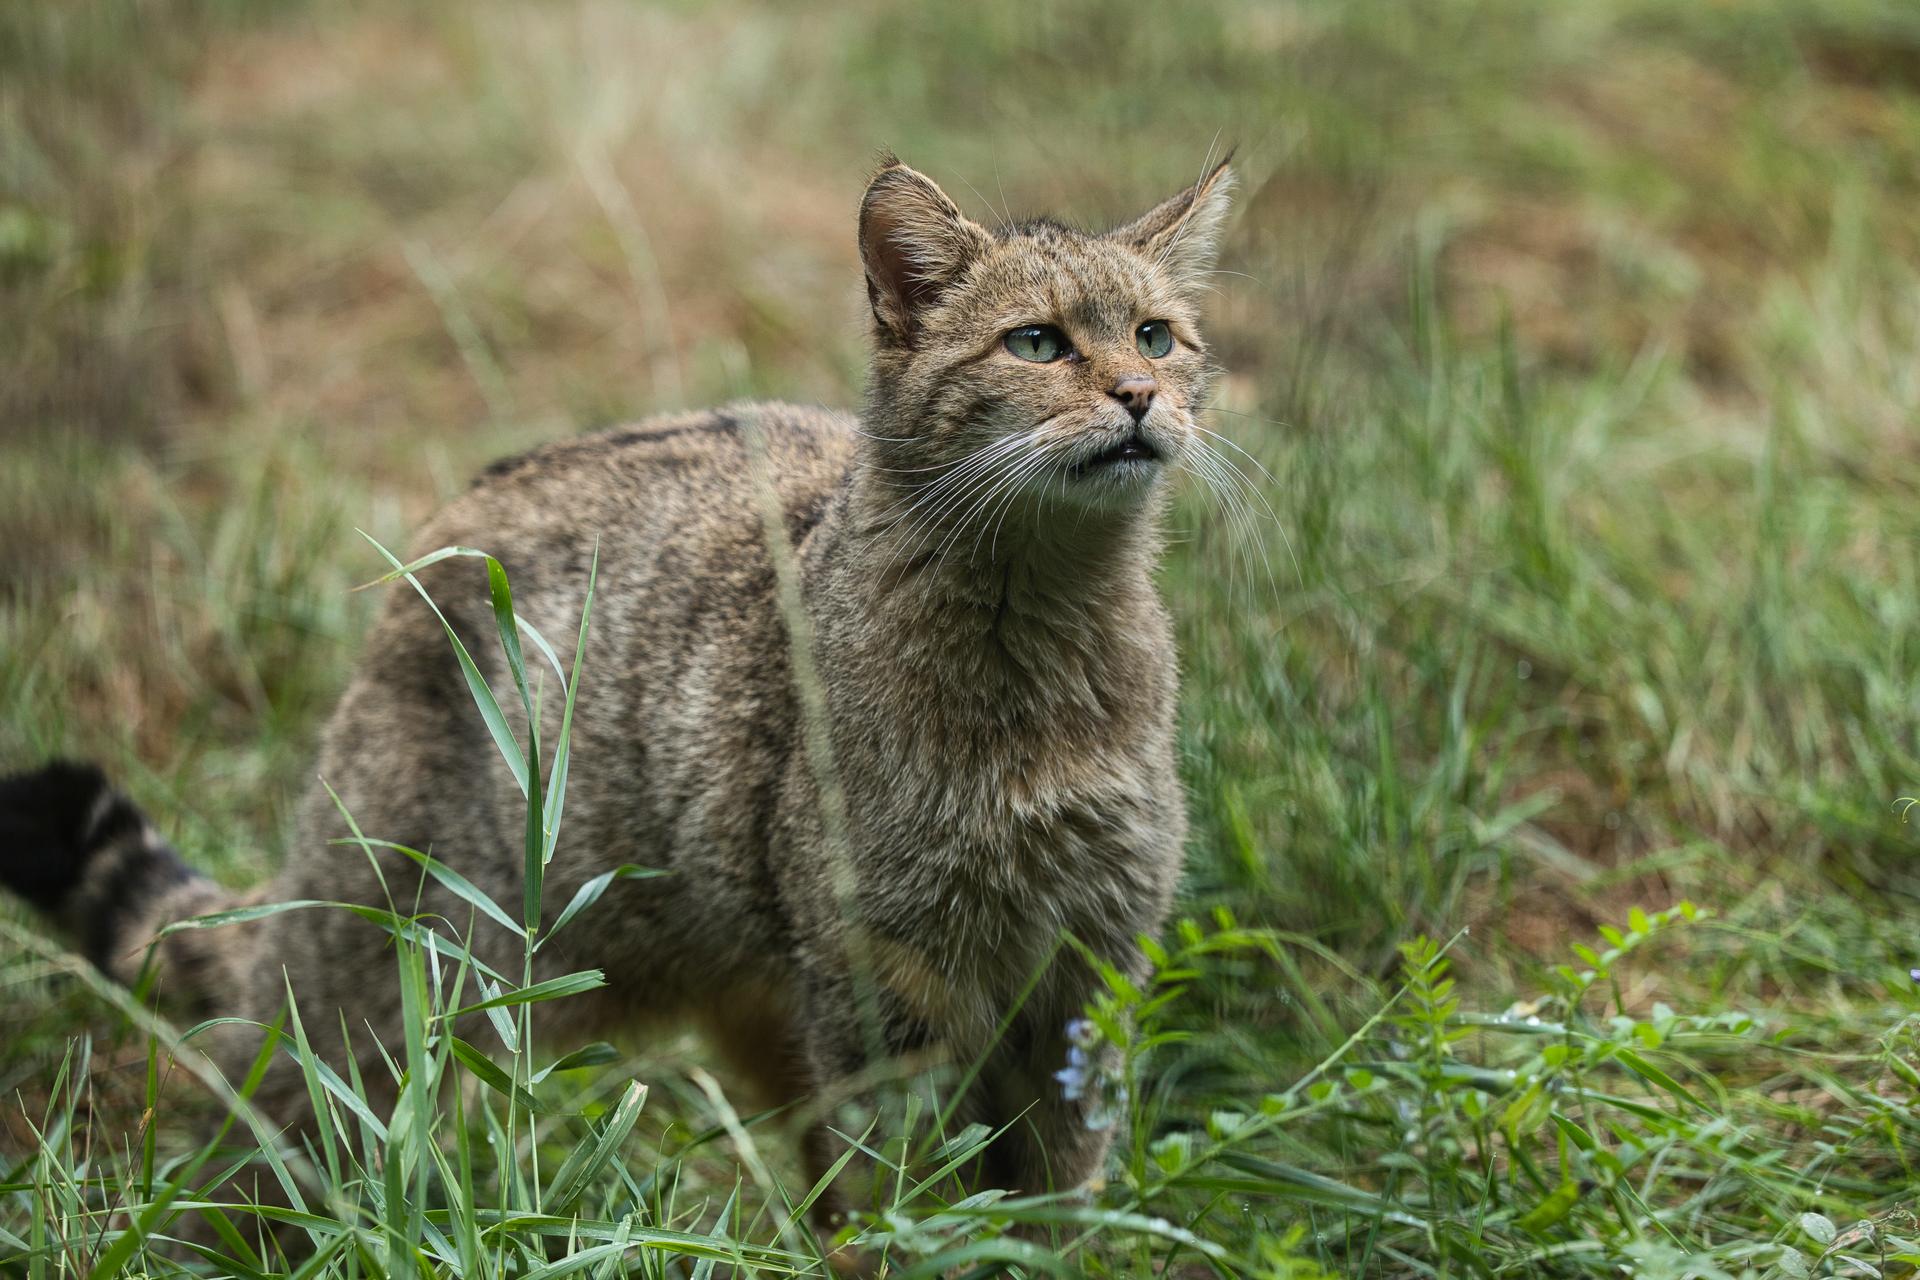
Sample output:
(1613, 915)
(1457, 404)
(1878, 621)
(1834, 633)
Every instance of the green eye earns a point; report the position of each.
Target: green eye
(1154, 338)
(1039, 343)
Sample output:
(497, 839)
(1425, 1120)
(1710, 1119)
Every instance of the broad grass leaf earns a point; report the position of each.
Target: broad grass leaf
(457, 884)
(1270, 1177)
(1558, 1204)
(597, 1054)
(1654, 1075)
(550, 989)
(491, 1074)
(690, 1243)
(477, 686)
(586, 1160)
(589, 893)
(999, 1249)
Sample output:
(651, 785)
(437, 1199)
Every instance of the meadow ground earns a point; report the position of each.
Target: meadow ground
(1569, 616)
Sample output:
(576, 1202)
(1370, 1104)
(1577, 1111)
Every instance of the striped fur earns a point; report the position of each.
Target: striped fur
(973, 559)
(81, 852)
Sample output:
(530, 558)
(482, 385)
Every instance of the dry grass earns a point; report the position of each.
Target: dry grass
(1578, 341)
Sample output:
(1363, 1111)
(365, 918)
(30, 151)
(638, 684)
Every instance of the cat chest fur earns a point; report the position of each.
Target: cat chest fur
(1010, 803)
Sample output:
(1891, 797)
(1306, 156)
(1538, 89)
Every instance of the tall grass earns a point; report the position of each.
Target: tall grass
(1569, 346)
(1568, 1133)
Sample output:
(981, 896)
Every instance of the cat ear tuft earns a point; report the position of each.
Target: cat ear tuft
(1183, 232)
(914, 243)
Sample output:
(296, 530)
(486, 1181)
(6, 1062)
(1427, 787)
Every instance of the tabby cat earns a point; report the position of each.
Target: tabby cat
(974, 558)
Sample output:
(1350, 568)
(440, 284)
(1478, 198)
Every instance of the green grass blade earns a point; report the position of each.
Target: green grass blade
(550, 989)
(589, 893)
(492, 1075)
(477, 686)
(459, 885)
(563, 747)
(587, 1159)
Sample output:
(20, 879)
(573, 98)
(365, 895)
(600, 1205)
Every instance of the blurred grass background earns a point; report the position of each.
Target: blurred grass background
(1578, 344)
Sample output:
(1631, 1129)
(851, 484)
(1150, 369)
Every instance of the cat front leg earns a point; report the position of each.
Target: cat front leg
(1058, 1089)
(860, 1042)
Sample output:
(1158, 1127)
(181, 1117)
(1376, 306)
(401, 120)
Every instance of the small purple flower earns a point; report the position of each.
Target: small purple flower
(1073, 1077)
(1084, 1079)
(1103, 1111)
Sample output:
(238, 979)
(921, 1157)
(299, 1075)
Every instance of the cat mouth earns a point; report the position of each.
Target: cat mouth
(1134, 448)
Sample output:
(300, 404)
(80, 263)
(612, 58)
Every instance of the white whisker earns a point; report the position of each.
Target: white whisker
(1251, 417)
(1039, 462)
(955, 491)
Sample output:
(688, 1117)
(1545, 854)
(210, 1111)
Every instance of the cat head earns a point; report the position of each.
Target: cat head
(1033, 358)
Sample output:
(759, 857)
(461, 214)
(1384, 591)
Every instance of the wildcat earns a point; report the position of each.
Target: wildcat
(974, 556)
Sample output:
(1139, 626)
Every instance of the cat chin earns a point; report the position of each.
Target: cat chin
(1112, 484)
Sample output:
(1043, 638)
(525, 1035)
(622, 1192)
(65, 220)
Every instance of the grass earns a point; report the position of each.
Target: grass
(1549, 900)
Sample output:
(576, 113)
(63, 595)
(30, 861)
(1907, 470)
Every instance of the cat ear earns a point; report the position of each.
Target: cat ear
(1183, 233)
(914, 242)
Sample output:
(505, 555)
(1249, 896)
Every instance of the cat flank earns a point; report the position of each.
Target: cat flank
(975, 555)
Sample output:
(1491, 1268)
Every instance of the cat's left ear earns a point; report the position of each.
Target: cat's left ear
(1183, 233)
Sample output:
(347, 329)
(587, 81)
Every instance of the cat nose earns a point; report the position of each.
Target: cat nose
(1135, 391)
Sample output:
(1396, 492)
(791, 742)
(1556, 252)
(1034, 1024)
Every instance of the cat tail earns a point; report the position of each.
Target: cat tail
(82, 853)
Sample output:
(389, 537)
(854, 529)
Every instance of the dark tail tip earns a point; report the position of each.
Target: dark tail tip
(80, 851)
(50, 820)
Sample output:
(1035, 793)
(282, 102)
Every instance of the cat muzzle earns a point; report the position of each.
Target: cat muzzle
(1134, 447)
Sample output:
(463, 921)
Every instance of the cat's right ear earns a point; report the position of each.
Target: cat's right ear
(1183, 232)
(914, 243)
